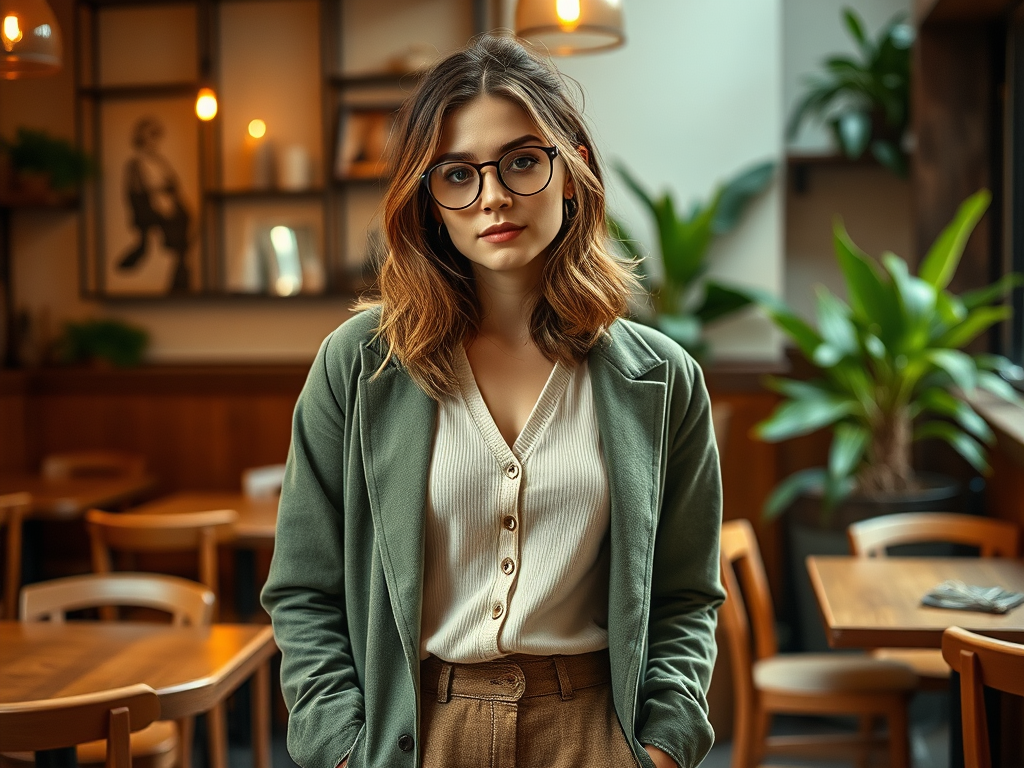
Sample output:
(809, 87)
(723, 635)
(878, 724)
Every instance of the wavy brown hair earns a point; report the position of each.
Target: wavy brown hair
(426, 290)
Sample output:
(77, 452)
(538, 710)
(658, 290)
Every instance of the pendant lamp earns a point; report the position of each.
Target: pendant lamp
(567, 27)
(30, 44)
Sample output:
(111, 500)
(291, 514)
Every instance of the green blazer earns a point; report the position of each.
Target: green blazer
(345, 584)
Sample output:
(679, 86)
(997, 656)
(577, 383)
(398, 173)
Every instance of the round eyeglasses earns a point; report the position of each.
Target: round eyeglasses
(524, 171)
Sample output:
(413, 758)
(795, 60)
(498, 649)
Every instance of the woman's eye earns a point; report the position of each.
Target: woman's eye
(457, 175)
(522, 163)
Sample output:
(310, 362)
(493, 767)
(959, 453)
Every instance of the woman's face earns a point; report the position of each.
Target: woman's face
(501, 231)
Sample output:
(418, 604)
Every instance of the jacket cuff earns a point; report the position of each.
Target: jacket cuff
(329, 752)
(679, 728)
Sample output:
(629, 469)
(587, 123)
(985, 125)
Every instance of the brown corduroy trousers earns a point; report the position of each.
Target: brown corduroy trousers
(521, 712)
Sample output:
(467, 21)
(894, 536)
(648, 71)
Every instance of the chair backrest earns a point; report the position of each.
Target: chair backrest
(721, 416)
(981, 661)
(13, 509)
(61, 466)
(189, 604)
(261, 482)
(58, 723)
(186, 531)
(747, 616)
(994, 538)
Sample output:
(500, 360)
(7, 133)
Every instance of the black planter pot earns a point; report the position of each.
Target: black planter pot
(809, 532)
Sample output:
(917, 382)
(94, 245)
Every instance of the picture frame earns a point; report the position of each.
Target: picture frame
(147, 221)
(362, 137)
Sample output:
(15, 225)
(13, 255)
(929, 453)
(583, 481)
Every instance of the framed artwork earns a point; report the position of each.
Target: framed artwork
(147, 229)
(362, 137)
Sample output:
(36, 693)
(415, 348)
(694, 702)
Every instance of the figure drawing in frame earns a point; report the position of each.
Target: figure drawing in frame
(154, 202)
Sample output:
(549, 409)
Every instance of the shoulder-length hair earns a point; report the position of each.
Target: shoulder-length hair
(426, 289)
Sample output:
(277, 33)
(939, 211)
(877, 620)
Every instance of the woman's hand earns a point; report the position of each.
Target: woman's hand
(661, 758)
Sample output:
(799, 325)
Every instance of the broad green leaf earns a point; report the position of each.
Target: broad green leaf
(988, 362)
(891, 157)
(997, 386)
(786, 492)
(856, 29)
(916, 297)
(848, 444)
(990, 293)
(834, 323)
(943, 403)
(871, 295)
(943, 257)
(737, 193)
(636, 187)
(957, 364)
(721, 300)
(961, 442)
(798, 389)
(853, 129)
(977, 322)
(801, 417)
(827, 355)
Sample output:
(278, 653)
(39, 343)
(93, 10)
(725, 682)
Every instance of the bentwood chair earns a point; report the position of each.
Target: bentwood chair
(199, 532)
(981, 662)
(13, 509)
(161, 744)
(63, 466)
(61, 723)
(873, 537)
(767, 683)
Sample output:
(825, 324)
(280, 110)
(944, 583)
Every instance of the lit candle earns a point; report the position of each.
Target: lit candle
(262, 155)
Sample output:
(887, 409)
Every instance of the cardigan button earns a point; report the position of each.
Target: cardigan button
(405, 742)
(512, 471)
(509, 522)
(497, 610)
(507, 566)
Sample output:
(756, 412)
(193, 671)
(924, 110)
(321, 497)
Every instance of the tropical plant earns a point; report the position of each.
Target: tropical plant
(102, 339)
(683, 300)
(892, 367)
(35, 151)
(866, 101)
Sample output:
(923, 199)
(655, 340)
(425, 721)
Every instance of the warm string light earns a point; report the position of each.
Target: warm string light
(257, 128)
(206, 104)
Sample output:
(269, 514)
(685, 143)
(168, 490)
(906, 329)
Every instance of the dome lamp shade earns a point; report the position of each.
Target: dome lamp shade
(568, 27)
(30, 40)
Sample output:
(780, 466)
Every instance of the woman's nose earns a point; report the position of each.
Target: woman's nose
(493, 195)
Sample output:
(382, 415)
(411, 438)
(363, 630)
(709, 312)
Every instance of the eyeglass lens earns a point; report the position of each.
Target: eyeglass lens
(524, 171)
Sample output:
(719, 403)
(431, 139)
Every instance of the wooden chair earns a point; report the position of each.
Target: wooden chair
(981, 661)
(62, 466)
(187, 531)
(13, 509)
(767, 683)
(872, 537)
(61, 723)
(162, 744)
(262, 482)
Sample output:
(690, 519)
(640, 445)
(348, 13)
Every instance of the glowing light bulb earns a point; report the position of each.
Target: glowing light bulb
(11, 31)
(206, 104)
(568, 12)
(257, 128)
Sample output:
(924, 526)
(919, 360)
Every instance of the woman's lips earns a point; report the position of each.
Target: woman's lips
(503, 236)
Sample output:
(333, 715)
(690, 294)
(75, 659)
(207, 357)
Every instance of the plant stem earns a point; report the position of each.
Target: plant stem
(888, 469)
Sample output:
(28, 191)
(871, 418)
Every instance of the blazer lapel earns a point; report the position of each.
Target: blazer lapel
(630, 390)
(396, 432)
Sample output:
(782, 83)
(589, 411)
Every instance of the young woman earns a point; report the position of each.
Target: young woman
(497, 542)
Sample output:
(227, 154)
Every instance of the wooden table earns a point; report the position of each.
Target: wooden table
(70, 498)
(257, 517)
(876, 602)
(191, 669)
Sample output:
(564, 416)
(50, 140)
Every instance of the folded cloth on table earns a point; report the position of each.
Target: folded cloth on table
(966, 597)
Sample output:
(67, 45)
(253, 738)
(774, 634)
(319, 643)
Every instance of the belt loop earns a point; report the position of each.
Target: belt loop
(444, 683)
(564, 684)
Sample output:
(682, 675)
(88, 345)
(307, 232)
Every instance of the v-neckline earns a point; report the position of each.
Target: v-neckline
(538, 419)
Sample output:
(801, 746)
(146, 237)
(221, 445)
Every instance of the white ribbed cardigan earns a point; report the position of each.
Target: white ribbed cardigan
(516, 556)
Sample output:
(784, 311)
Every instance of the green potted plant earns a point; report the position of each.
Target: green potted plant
(684, 301)
(865, 100)
(102, 342)
(44, 169)
(891, 364)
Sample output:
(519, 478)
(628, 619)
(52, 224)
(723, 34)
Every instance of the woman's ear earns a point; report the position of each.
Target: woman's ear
(570, 187)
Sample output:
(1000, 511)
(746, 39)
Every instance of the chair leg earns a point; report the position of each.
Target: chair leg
(261, 716)
(866, 729)
(743, 738)
(899, 736)
(186, 732)
(217, 726)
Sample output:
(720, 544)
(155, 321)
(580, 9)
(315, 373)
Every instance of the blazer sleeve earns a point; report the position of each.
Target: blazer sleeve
(305, 591)
(686, 588)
